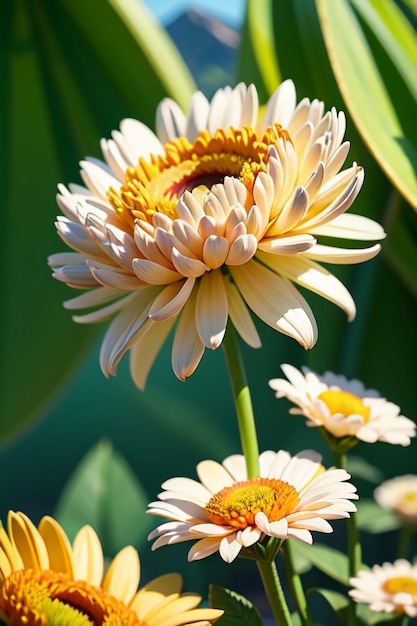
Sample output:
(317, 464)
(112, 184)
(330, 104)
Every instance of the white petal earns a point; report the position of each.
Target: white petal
(170, 120)
(350, 226)
(203, 548)
(229, 548)
(154, 273)
(197, 117)
(187, 266)
(137, 140)
(187, 348)
(215, 251)
(330, 254)
(287, 245)
(144, 352)
(242, 250)
(276, 302)
(211, 309)
(214, 476)
(115, 277)
(281, 105)
(240, 316)
(171, 300)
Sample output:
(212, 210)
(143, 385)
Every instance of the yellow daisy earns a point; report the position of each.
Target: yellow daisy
(399, 495)
(390, 587)
(344, 408)
(216, 214)
(226, 511)
(44, 581)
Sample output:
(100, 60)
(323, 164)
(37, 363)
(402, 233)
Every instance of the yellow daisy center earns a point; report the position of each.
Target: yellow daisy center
(401, 584)
(237, 505)
(345, 403)
(47, 598)
(155, 185)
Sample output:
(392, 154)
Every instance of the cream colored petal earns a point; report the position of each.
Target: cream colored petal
(137, 140)
(122, 577)
(114, 277)
(88, 556)
(116, 161)
(27, 540)
(242, 250)
(250, 107)
(218, 105)
(281, 105)
(174, 615)
(76, 237)
(146, 349)
(276, 302)
(197, 117)
(215, 251)
(125, 328)
(189, 209)
(95, 297)
(214, 476)
(171, 300)
(314, 277)
(211, 309)
(329, 254)
(154, 273)
(170, 120)
(293, 244)
(229, 548)
(204, 547)
(98, 178)
(240, 316)
(105, 313)
(61, 259)
(191, 489)
(291, 215)
(187, 266)
(350, 226)
(58, 546)
(187, 348)
(77, 276)
(148, 247)
(154, 593)
(188, 237)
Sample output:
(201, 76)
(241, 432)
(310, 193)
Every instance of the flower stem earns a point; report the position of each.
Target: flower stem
(354, 548)
(243, 402)
(296, 585)
(404, 541)
(274, 592)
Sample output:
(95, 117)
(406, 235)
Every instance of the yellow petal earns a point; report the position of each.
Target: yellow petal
(57, 544)
(88, 556)
(122, 577)
(27, 541)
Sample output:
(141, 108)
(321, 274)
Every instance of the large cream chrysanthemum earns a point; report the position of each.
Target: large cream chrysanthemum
(399, 495)
(390, 587)
(44, 580)
(226, 511)
(216, 214)
(343, 407)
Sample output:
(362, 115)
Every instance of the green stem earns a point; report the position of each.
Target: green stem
(274, 592)
(404, 541)
(296, 585)
(354, 548)
(243, 402)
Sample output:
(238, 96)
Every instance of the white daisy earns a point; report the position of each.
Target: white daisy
(226, 511)
(400, 496)
(343, 407)
(391, 588)
(215, 215)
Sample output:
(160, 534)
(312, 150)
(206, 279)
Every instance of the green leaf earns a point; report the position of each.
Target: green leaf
(361, 468)
(70, 72)
(338, 602)
(238, 610)
(400, 251)
(104, 492)
(379, 124)
(374, 519)
(327, 560)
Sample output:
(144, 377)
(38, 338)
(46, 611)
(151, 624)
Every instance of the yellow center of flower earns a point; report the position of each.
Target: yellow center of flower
(401, 584)
(155, 185)
(47, 598)
(345, 403)
(237, 505)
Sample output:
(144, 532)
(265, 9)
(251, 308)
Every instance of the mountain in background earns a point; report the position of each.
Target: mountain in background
(208, 47)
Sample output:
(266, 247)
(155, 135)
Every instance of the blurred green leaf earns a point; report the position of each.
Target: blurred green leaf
(104, 492)
(361, 468)
(372, 107)
(326, 559)
(373, 518)
(338, 602)
(259, 16)
(238, 611)
(71, 71)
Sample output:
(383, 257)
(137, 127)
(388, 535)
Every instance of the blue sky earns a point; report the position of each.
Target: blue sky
(230, 11)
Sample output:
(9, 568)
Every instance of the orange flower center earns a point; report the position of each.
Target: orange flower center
(401, 584)
(237, 505)
(47, 598)
(155, 185)
(345, 403)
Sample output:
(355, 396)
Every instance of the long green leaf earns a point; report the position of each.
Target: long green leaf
(367, 97)
(71, 71)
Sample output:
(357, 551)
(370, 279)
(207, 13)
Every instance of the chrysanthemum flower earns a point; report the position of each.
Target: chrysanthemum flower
(391, 588)
(47, 582)
(226, 511)
(399, 495)
(216, 214)
(343, 407)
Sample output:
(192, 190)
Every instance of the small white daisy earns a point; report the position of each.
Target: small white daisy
(391, 588)
(400, 496)
(345, 408)
(226, 511)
